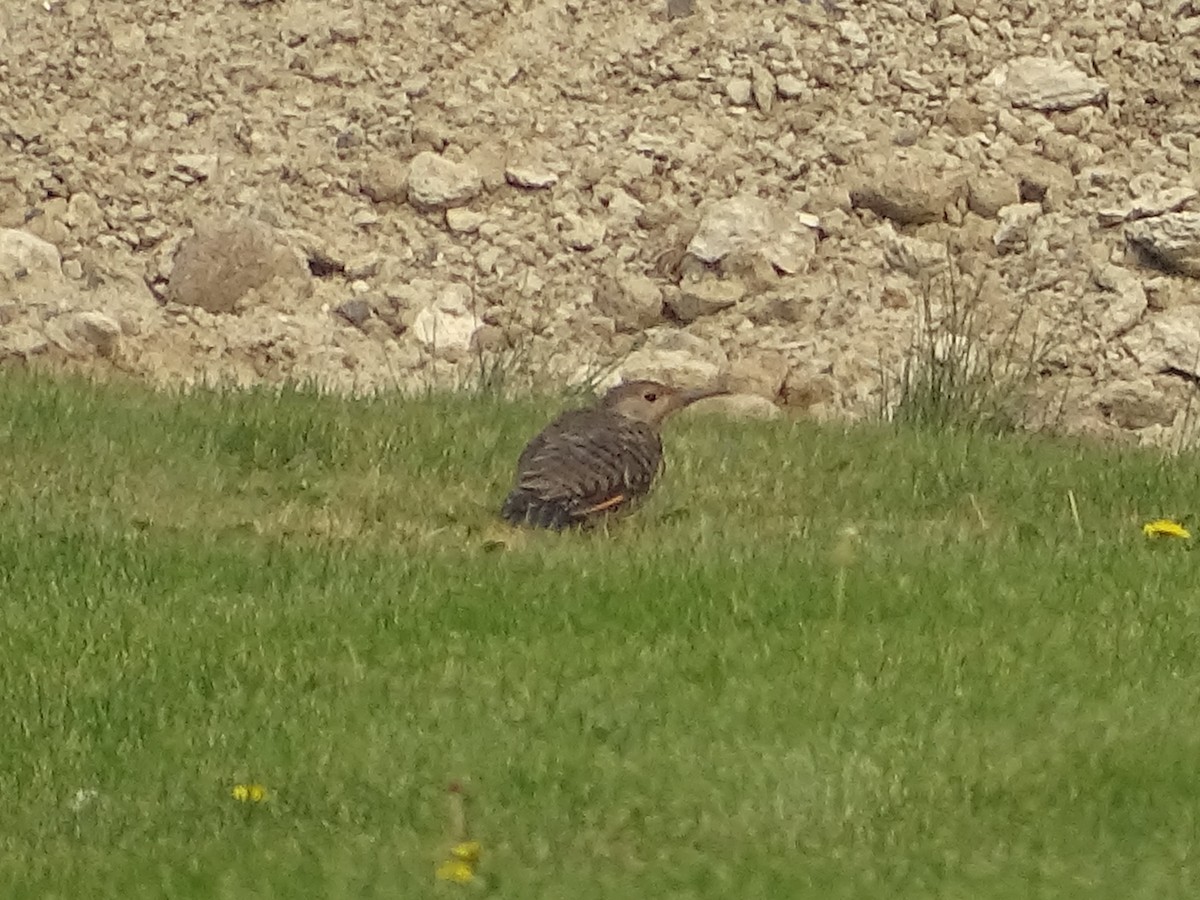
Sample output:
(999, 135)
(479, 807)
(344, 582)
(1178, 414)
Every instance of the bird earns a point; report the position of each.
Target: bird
(593, 462)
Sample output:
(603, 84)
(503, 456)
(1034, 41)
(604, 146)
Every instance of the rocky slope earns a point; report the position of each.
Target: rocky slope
(370, 193)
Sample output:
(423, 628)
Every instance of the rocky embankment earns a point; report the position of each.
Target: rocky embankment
(371, 194)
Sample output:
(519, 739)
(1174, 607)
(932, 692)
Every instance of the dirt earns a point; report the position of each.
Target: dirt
(375, 194)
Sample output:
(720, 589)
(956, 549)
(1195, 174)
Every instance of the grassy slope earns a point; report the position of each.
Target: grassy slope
(725, 696)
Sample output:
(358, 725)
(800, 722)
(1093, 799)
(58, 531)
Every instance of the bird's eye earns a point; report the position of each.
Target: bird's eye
(651, 396)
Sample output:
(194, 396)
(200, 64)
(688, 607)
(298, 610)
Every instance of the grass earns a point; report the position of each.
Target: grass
(818, 663)
(965, 370)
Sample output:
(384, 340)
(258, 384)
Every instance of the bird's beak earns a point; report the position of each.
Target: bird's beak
(687, 398)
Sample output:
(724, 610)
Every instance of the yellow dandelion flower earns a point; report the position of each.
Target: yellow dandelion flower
(249, 793)
(456, 870)
(1165, 528)
(467, 851)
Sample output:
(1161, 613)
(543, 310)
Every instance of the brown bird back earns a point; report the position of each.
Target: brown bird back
(593, 462)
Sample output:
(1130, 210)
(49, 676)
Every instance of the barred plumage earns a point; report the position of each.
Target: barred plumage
(589, 463)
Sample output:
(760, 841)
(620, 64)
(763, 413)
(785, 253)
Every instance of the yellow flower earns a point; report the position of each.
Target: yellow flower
(467, 851)
(1165, 528)
(249, 793)
(460, 867)
(457, 871)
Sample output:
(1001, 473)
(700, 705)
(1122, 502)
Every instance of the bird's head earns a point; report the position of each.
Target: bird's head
(652, 401)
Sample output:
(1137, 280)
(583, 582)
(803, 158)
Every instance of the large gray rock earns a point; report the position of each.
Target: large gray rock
(676, 367)
(225, 259)
(1045, 84)
(705, 297)
(740, 91)
(632, 301)
(435, 182)
(1040, 180)
(1124, 300)
(1168, 341)
(384, 180)
(21, 340)
(532, 176)
(1170, 242)
(675, 357)
(763, 87)
(762, 373)
(446, 326)
(990, 192)
(23, 255)
(1016, 221)
(748, 224)
(1159, 203)
(97, 329)
(1136, 404)
(909, 190)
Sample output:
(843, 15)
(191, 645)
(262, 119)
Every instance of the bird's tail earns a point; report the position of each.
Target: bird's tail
(524, 508)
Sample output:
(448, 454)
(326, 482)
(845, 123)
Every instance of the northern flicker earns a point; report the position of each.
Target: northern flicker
(595, 461)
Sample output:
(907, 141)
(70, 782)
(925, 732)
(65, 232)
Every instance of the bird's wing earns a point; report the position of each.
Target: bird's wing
(590, 461)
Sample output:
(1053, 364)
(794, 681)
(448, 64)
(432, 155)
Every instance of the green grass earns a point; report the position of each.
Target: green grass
(726, 695)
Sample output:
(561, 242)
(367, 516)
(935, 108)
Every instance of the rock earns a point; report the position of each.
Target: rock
(912, 255)
(1015, 222)
(679, 9)
(1040, 180)
(1169, 242)
(789, 87)
(355, 311)
(633, 302)
(192, 167)
(807, 390)
(704, 298)
(23, 255)
(84, 215)
(680, 368)
(51, 224)
(909, 191)
(1168, 341)
(464, 221)
(385, 180)
(435, 182)
(853, 33)
(745, 223)
(1136, 404)
(736, 406)
(988, 193)
(531, 176)
(1146, 207)
(224, 259)
(762, 373)
(22, 341)
(54, 330)
(751, 269)
(915, 82)
(101, 331)
(490, 339)
(762, 88)
(740, 91)
(584, 234)
(1126, 300)
(490, 160)
(964, 117)
(1045, 84)
(446, 326)
(624, 210)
